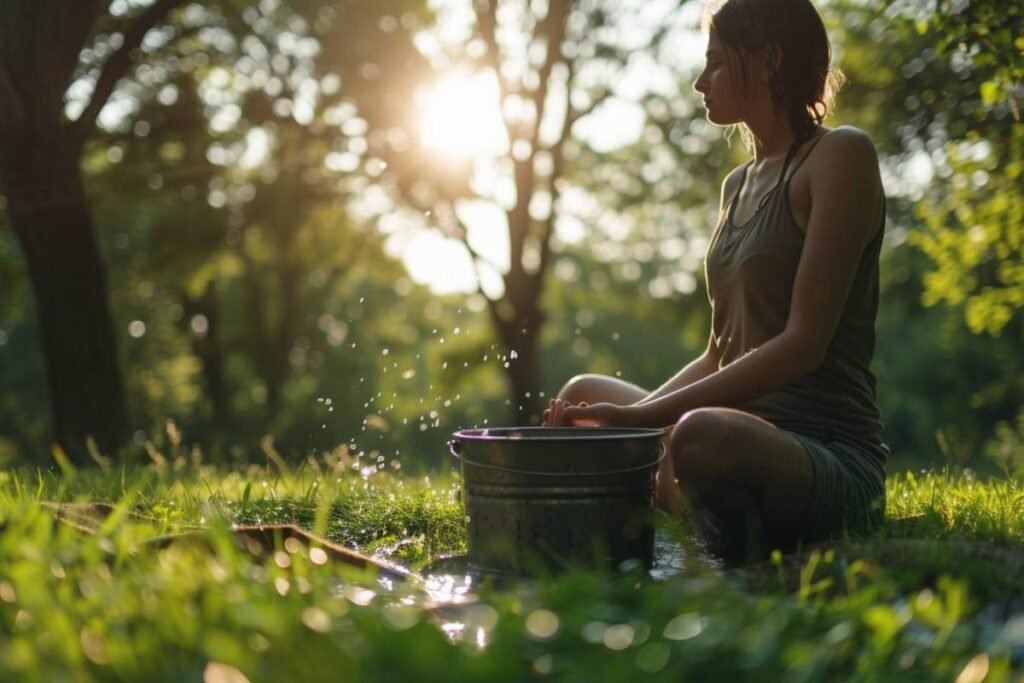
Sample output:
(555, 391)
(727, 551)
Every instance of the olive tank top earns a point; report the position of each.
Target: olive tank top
(750, 270)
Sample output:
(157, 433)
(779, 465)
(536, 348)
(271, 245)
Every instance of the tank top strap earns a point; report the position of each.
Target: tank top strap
(790, 153)
(796, 167)
(730, 209)
(782, 176)
(743, 181)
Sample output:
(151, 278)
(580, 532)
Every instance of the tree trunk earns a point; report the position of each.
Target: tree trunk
(40, 42)
(278, 367)
(521, 339)
(211, 354)
(51, 219)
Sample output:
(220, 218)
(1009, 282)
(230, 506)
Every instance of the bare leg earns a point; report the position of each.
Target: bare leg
(604, 389)
(747, 482)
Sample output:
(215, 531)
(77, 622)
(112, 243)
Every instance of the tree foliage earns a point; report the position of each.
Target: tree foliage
(974, 215)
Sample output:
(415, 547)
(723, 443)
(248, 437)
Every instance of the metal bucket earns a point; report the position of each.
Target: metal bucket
(541, 498)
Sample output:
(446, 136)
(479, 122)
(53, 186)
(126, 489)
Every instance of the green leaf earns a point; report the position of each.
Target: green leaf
(989, 92)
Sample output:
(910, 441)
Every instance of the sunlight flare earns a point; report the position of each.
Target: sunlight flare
(460, 116)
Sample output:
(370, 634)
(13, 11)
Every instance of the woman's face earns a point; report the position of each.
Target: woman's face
(716, 83)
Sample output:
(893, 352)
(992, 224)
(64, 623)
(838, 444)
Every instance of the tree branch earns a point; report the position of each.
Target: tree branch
(557, 150)
(119, 63)
(461, 232)
(552, 27)
(557, 168)
(487, 26)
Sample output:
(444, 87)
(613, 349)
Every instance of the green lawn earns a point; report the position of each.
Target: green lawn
(938, 594)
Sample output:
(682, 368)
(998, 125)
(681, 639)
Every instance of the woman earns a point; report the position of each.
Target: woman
(775, 434)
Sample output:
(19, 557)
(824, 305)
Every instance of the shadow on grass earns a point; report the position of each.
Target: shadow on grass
(907, 553)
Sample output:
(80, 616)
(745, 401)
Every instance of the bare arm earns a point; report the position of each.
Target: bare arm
(846, 200)
(701, 367)
(708, 362)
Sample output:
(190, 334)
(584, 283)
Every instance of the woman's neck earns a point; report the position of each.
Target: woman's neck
(772, 133)
(769, 146)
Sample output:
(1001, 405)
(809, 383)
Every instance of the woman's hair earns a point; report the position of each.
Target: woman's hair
(802, 83)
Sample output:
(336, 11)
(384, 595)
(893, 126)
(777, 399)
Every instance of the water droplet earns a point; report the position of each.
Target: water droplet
(513, 355)
(385, 352)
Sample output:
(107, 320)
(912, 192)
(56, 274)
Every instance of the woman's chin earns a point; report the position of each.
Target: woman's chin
(719, 120)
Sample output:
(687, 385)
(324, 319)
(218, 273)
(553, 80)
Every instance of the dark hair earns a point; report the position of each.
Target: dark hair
(803, 85)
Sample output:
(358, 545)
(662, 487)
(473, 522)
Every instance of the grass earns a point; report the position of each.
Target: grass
(933, 596)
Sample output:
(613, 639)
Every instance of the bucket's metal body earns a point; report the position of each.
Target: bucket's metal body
(539, 499)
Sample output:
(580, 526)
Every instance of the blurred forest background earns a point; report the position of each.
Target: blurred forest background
(300, 225)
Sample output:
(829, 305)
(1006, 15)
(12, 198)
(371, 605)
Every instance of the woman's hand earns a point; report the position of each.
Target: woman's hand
(598, 415)
(555, 415)
(563, 414)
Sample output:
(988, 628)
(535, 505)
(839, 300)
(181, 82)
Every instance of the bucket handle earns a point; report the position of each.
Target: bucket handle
(455, 447)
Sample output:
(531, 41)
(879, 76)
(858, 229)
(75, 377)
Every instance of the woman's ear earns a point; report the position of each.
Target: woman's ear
(771, 56)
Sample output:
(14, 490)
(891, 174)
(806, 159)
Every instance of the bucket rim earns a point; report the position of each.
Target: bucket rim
(557, 434)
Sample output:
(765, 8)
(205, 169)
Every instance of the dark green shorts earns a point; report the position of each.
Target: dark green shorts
(848, 494)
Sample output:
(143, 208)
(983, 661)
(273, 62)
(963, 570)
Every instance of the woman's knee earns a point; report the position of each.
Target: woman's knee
(577, 386)
(698, 446)
(589, 387)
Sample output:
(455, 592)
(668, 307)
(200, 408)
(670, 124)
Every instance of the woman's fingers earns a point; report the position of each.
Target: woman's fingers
(557, 415)
(548, 417)
(554, 413)
(584, 415)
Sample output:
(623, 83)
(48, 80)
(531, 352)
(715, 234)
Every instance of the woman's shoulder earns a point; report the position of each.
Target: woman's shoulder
(843, 155)
(846, 144)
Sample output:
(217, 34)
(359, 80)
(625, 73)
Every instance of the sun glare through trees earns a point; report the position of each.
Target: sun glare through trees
(460, 116)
